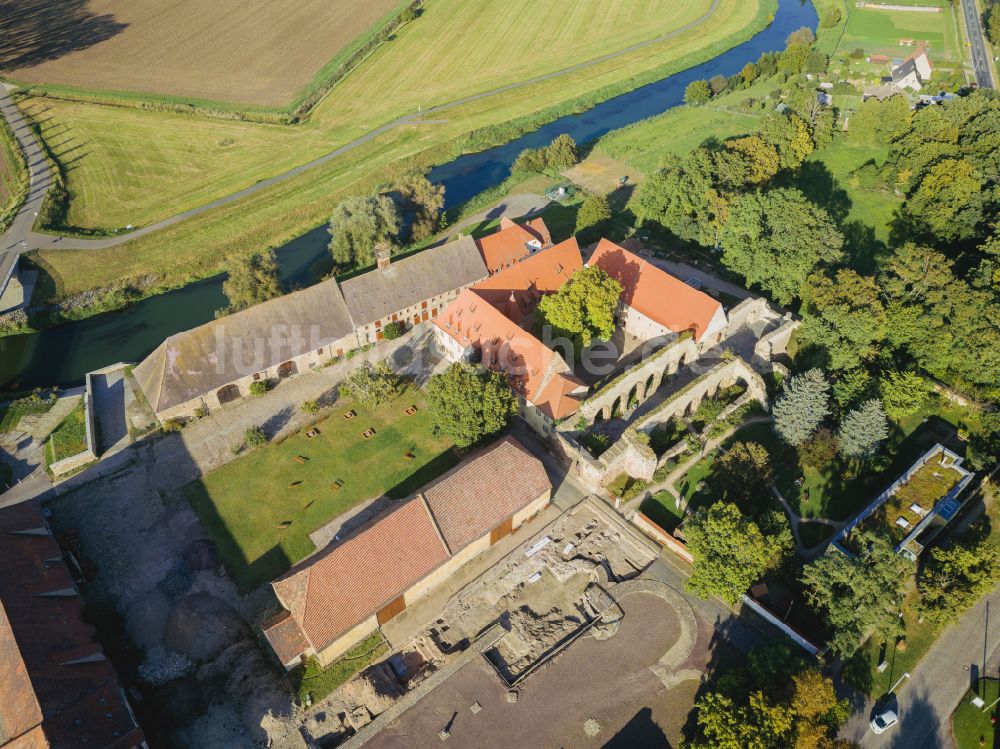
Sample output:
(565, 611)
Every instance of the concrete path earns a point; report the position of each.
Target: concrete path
(44, 241)
(977, 44)
(108, 391)
(936, 686)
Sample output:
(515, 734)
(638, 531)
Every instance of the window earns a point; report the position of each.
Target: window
(256, 376)
(378, 323)
(395, 317)
(423, 305)
(320, 352)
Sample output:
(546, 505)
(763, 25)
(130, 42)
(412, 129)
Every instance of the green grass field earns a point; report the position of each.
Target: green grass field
(13, 175)
(661, 508)
(70, 437)
(127, 166)
(246, 504)
(880, 31)
(970, 723)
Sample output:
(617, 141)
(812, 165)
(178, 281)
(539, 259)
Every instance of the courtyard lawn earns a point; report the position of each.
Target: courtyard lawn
(970, 723)
(662, 509)
(862, 669)
(261, 508)
(70, 437)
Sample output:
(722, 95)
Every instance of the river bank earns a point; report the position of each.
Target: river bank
(62, 355)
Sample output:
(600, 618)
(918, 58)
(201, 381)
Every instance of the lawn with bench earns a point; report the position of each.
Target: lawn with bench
(261, 508)
(970, 723)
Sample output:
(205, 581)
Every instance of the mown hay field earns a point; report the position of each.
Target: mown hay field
(259, 52)
(132, 166)
(136, 167)
(880, 32)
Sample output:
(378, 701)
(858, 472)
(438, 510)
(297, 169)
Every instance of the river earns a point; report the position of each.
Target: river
(64, 354)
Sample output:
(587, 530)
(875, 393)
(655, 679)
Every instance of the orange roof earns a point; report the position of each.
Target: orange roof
(513, 242)
(655, 293)
(486, 489)
(343, 585)
(535, 371)
(527, 281)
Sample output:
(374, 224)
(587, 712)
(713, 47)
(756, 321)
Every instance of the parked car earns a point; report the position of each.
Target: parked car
(694, 283)
(884, 720)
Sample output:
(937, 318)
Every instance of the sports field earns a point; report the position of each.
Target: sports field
(248, 51)
(131, 166)
(881, 31)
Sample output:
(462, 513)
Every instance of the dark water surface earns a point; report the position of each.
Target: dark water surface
(63, 355)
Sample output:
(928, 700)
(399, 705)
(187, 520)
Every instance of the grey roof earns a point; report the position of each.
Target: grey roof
(198, 361)
(379, 293)
(908, 67)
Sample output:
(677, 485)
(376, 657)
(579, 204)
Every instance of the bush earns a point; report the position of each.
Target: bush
(392, 331)
(171, 425)
(258, 388)
(310, 407)
(254, 437)
(201, 412)
(820, 449)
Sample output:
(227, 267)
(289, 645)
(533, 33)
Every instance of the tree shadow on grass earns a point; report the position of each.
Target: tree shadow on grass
(818, 184)
(36, 31)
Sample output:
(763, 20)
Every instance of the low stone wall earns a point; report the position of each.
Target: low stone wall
(661, 537)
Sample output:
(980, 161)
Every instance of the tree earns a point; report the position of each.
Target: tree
(393, 330)
(529, 160)
(252, 280)
(422, 201)
(860, 593)
(358, 225)
(561, 152)
(820, 449)
(829, 17)
(817, 710)
(746, 162)
(259, 387)
(788, 133)
(584, 307)
(470, 403)
(749, 74)
(254, 437)
(776, 238)
(372, 384)
(682, 197)
(863, 429)
(902, 393)
(801, 407)
(697, 92)
(743, 475)
(993, 24)
(718, 84)
(730, 552)
(950, 201)
(594, 214)
(759, 723)
(310, 407)
(954, 578)
(852, 386)
(845, 317)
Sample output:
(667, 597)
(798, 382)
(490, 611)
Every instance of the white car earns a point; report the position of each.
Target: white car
(884, 720)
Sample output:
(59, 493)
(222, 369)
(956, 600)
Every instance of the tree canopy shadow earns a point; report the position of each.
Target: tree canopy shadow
(36, 31)
(815, 180)
(641, 730)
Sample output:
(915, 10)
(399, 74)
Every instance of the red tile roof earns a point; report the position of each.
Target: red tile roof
(512, 242)
(535, 371)
(654, 292)
(543, 273)
(347, 582)
(344, 584)
(486, 489)
(56, 686)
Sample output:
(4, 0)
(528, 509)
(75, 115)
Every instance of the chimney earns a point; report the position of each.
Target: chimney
(383, 255)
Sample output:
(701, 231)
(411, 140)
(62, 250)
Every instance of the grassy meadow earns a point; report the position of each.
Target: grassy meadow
(130, 168)
(880, 31)
(13, 175)
(261, 508)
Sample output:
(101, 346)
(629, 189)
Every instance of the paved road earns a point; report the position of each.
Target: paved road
(41, 180)
(44, 241)
(977, 41)
(937, 685)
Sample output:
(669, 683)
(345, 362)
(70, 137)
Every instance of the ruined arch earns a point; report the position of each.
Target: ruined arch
(650, 385)
(287, 369)
(616, 408)
(227, 394)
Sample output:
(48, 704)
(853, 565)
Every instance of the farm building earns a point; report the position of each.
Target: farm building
(58, 687)
(513, 242)
(655, 304)
(914, 72)
(346, 591)
(411, 290)
(216, 363)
